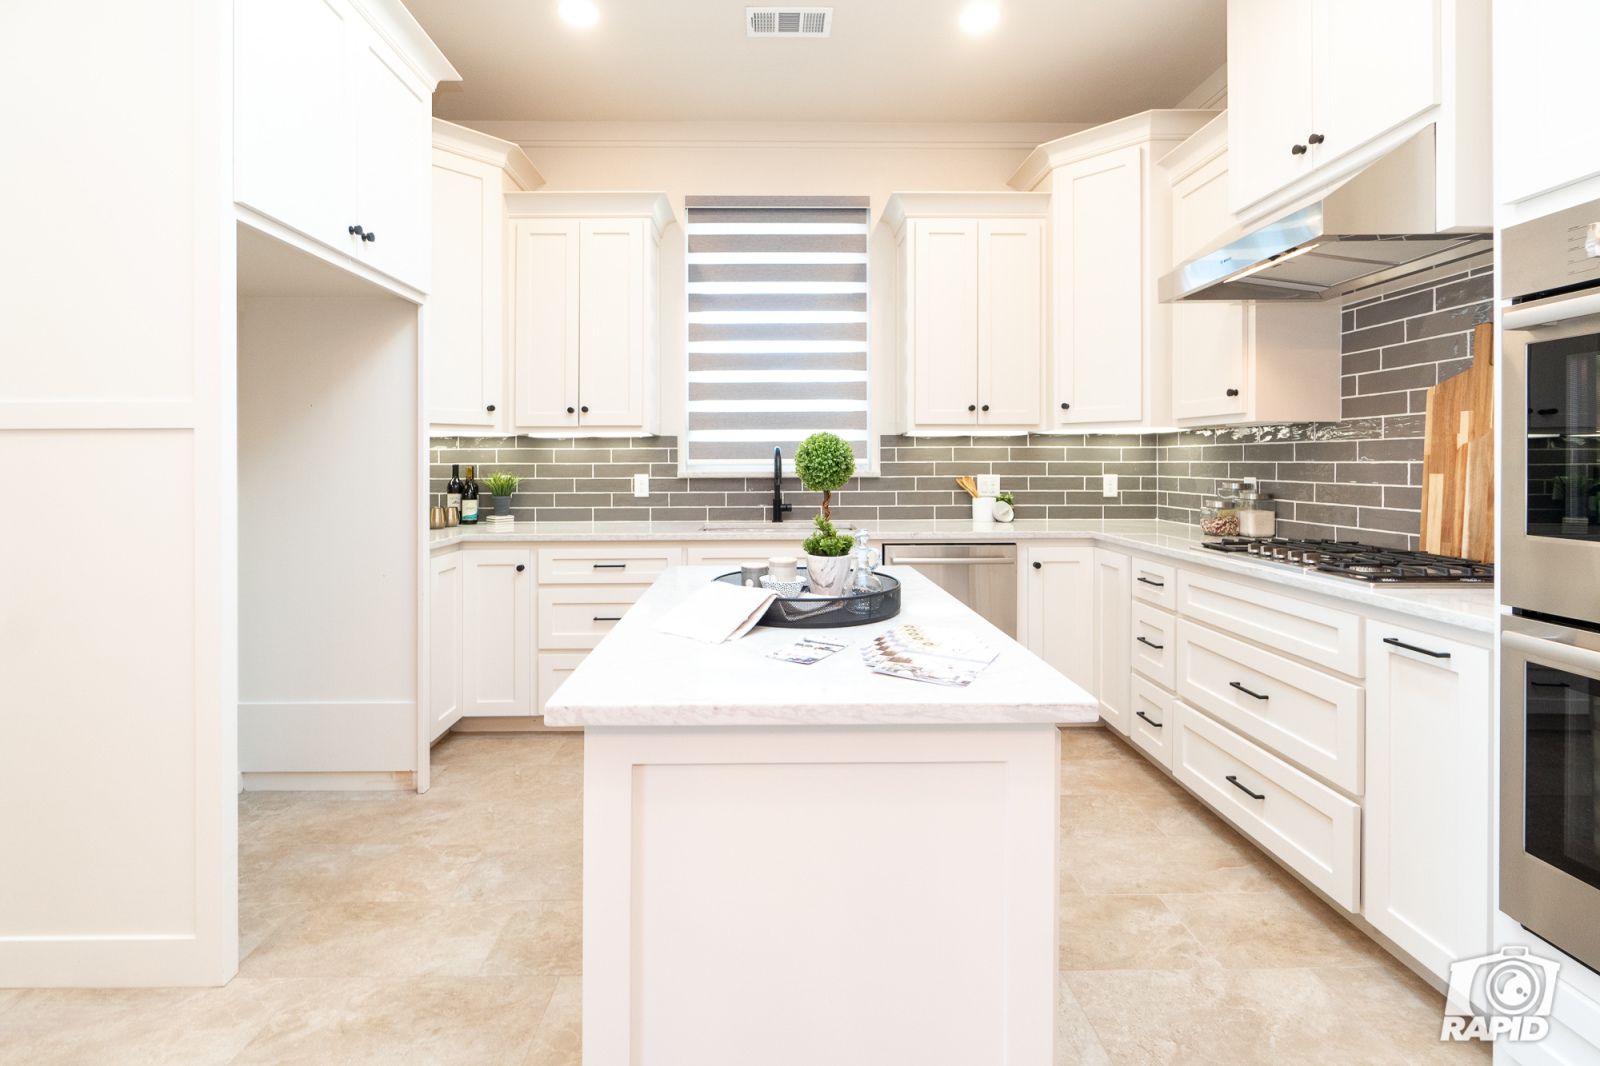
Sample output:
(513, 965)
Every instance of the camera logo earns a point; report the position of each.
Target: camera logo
(1515, 991)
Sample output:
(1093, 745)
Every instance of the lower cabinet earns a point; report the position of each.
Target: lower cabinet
(1112, 598)
(1428, 855)
(444, 643)
(497, 632)
(1152, 720)
(1058, 598)
(554, 668)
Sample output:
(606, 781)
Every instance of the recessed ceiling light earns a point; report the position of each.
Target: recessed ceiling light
(579, 13)
(980, 16)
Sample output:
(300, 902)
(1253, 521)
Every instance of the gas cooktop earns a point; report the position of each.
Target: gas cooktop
(1358, 562)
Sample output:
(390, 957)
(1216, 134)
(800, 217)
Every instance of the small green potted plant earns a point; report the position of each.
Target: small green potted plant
(501, 486)
(825, 463)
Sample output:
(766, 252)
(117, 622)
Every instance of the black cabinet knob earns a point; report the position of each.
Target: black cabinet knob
(354, 231)
(972, 407)
(1233, 392)
(489, 408)
(1065, 406)
(584, 410)
(369, 236)
(1038, 566)
(1315, 138)
(570, 410)
(985, 407)
(1298, 149)
(521, 567)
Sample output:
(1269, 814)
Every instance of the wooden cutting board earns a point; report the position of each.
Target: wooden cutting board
(1458, 458)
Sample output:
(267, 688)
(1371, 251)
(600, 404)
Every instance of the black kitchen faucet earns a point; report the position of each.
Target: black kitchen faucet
(778, 506)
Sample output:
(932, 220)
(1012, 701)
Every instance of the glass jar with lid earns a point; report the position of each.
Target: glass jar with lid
(1256, 516)
(1219, 517)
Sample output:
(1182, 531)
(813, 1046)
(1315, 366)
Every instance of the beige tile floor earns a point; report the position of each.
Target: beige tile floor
(392, 928)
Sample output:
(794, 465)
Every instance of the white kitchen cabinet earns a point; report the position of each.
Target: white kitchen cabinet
(497, 631)
(331, 127)
(444, 642)
(465, 323)
(1153, 719)
(972, 291)
(1271, 90)
(1428, 824)
(584, 273)
(1109, 243)
(554, 669)
(1058, 598)
(1235, 363)
(1544, 133)
(1112, 598)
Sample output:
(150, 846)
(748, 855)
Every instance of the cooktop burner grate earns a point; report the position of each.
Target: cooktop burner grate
(1358, 562)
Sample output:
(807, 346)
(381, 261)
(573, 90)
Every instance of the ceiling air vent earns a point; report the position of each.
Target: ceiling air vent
(789, 21)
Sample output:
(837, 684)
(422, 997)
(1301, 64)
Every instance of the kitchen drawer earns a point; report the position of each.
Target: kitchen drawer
(1154, 583)
(742, 553)
(1309, 827)
(1303, 714)
(585, 564)
(575, 617)
(1322, 635)
(553, 668)
(1151, 645)
(1151, 724)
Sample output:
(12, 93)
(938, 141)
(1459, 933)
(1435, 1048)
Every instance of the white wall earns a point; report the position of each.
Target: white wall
(329, 512)
(771, 159)
(118, 837)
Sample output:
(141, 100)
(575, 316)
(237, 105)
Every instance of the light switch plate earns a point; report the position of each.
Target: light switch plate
(1108, 487)
(988, 484)
(641, 485)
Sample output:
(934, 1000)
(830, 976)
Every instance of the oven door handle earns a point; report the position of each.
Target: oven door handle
(1580, 660)
(1549, 313)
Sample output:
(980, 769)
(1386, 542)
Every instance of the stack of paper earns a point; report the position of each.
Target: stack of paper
(719, 611)
(912, 652)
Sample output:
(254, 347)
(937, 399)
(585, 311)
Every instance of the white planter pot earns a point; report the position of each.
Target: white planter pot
(827, 575)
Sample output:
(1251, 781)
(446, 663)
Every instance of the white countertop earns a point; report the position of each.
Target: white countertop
(1469, 607)
(639, 676)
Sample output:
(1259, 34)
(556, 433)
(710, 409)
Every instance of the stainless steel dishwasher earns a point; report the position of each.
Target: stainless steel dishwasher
(982, 576)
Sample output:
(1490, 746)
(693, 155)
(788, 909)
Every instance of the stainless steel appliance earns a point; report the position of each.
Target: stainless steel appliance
(982, 576)
(1550, 577)
(1358, 562)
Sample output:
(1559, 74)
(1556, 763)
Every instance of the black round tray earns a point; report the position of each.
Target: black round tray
(833, 612)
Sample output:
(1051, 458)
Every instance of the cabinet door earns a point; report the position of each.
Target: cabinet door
(1099, 286)
(1010, 321)
(1210, 348)
(1376, 65)
(1113, 596)
(393, 133)
(1060, 603)
(611, 325)
(1544, 132)
(1271, 83)
(444, 643)
(1428, 817)
(545, 324)
(497, 627)
(944, 322)
(554, 669)
(463, 316)
(294, 156)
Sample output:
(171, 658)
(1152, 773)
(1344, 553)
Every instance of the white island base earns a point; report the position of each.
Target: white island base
(876, 888)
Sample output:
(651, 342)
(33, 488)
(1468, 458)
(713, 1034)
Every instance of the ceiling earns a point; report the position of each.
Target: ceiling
(887, 61)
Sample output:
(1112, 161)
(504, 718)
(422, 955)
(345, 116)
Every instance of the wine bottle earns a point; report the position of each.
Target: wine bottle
(452, 491)
(469, 499)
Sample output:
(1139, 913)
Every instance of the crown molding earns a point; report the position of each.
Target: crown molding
(1144, 128)
(941, 136)
(482, 148)
(1201, 147)
(906, 205)
(400, 31)
(652, 205)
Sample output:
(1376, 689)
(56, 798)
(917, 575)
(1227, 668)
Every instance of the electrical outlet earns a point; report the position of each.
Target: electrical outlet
(641, 485)
(1108, 486)
(988, 484)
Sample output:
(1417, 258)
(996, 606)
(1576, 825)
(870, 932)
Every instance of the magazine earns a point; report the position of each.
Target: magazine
(913, 652)
(807, 651)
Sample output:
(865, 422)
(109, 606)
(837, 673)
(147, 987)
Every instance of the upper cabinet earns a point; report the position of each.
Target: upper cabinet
(1545, 136)
(465, 324)
(583, 274)
(1236, 363)
(972, 303)
(1318, 89)
(332, 103)
(1110, 240)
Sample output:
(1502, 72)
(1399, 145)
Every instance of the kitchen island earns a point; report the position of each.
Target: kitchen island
(791, 863)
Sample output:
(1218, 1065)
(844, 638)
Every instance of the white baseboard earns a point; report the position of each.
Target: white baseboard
(378, 781)
(518, 724)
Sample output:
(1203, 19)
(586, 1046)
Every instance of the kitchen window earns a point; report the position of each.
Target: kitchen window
(777, 329)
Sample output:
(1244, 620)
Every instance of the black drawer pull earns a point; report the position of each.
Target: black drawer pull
(1234, 781)
(610, 566)
(1393, 642)
(1147, 718)
(1549, 410)
(1147, 581)
(1247, 692)
(607, 618)
(1549, 684)
(1151, 644)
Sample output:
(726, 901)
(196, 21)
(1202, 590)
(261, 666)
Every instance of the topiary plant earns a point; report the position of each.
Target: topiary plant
(824, 463)
(827, 541)
(502, 484)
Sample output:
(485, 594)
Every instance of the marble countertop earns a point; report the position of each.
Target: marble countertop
(1468, 607)
(639, 676)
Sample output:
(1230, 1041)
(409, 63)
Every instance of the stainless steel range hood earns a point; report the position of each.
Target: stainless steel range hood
(1378, 225)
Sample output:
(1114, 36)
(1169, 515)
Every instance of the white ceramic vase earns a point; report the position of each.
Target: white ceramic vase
(827, 575)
